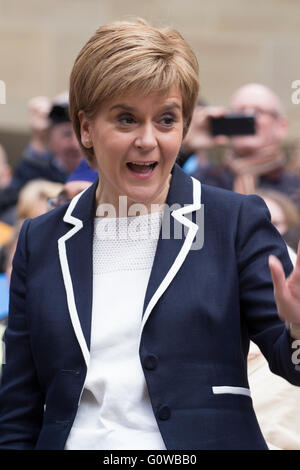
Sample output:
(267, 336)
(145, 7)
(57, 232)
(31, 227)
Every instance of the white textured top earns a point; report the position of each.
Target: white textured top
(115, 410)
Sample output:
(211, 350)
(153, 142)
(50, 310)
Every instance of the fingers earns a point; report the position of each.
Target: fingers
(286, 291)
(294, 278)
(278, 275)
(216, 112)
(221, 140)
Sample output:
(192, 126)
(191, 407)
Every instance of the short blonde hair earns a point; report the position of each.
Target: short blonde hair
(124, 57)
(288, 207)
(34, 192)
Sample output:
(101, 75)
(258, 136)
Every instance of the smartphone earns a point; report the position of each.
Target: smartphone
(233, 124)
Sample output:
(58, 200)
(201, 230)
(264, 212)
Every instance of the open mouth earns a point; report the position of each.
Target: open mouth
(142, 167)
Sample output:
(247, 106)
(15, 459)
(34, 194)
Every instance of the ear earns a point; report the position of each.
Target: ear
(282, 127)
(85, 129)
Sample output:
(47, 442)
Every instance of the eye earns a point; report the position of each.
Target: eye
(126, 119)
(167, 120)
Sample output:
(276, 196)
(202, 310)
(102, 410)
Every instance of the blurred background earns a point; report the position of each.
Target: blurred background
(236, 42)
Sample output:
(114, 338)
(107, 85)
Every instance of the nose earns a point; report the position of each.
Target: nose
(146, 138)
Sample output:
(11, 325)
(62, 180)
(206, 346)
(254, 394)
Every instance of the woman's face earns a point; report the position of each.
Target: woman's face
(136, 140)
(277, 215)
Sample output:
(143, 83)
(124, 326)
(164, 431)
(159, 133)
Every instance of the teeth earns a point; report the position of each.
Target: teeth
(143, 164)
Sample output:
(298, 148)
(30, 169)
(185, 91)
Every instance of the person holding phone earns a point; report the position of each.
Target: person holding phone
(255, 159)
(131, 314)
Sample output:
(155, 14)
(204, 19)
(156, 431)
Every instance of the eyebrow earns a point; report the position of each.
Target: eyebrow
(125, 107)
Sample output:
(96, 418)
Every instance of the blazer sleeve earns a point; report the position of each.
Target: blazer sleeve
(256, 239)
(21, 400)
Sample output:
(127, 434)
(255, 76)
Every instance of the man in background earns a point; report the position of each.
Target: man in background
(254, 160)
(56, 161)
(52, 154)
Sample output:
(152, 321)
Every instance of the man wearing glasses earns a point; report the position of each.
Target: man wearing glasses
(255, 160)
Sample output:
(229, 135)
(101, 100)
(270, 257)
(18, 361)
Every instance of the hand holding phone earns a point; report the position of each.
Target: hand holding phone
(235, 124)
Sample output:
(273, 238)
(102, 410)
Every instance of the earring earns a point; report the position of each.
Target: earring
(87, 143)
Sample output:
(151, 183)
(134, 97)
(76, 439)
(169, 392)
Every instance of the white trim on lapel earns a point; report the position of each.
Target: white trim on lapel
(179, 215)
(67, 276)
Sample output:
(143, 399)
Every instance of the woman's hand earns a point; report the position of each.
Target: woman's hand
(287, 292)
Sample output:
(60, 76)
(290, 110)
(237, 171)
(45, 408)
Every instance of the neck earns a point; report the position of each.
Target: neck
(123, 206)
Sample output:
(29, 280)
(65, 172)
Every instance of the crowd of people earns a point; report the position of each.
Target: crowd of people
(253, 164)
(250, 164)
(50, 157)
(53, 169)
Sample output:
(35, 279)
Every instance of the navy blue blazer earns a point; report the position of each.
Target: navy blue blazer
(201, 308)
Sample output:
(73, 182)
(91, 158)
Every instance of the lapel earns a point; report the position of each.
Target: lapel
(185, 196)
(76, 259)
(76, 251)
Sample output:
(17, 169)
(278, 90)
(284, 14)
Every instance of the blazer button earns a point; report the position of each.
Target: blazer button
(150, 362)
(164, 412)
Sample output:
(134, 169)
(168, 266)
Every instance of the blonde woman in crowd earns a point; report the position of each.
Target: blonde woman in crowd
(33, 200)
(284, 214)
(34, 196)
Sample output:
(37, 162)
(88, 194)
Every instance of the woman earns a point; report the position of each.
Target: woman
(125, 332)
(284, 215)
